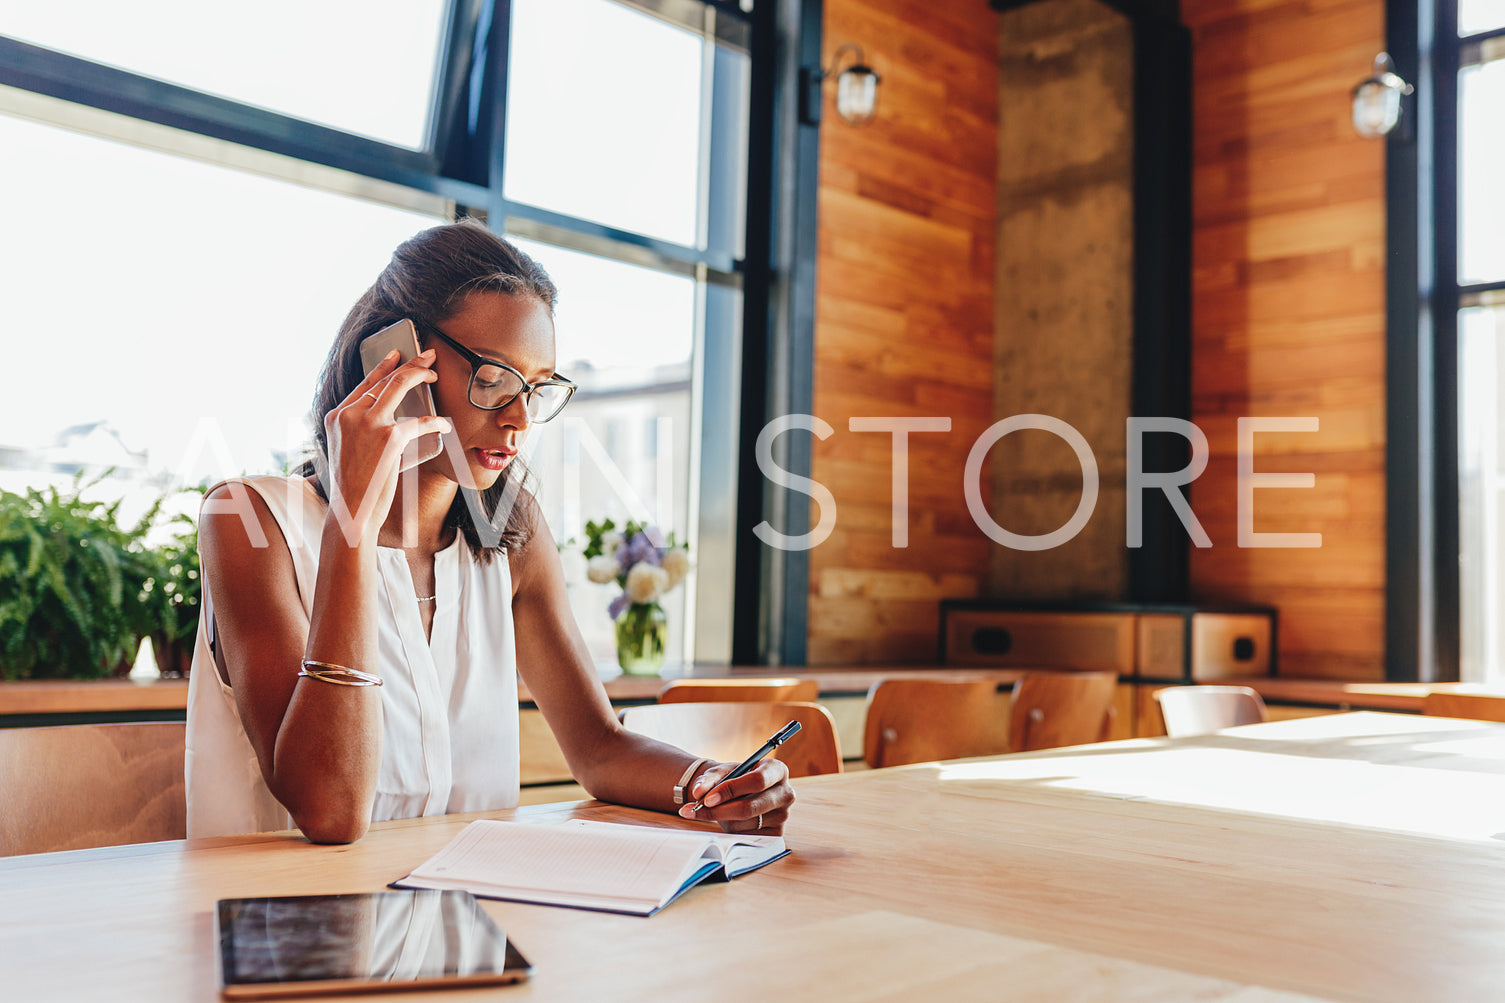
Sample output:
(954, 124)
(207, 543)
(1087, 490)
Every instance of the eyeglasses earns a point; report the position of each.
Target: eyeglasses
(494, 385)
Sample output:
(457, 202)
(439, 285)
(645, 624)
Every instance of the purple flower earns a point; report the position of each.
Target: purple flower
(635, 551)
(617, 606)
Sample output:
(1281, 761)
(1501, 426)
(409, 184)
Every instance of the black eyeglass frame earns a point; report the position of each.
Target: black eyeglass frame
(477, 361)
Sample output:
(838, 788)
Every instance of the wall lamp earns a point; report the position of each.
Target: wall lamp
(1376, 100)
(856, 88)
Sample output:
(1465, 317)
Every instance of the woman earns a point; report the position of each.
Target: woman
(363, 628)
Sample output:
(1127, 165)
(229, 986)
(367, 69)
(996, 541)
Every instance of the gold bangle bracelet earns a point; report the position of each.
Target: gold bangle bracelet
(342, 675)
(684, 781)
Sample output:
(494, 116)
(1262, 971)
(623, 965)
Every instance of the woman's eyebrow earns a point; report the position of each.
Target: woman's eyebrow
(548, 371)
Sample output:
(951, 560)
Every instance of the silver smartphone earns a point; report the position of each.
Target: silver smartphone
(419, 403)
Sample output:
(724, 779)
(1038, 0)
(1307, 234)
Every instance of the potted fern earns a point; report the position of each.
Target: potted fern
(77, 590)
(177, 582)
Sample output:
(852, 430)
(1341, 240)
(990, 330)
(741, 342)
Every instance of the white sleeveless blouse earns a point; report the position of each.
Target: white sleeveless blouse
(449, 704)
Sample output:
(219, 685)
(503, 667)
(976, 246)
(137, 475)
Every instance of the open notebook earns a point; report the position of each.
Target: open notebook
(589, 865)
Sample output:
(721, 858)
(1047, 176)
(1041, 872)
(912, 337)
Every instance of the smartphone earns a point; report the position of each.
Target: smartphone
(419, 403)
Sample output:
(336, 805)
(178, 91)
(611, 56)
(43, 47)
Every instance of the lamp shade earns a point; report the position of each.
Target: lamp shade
(1376, 109)
(857, 93)
(1376, 100)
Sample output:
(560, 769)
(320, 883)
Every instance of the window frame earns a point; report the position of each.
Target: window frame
(1423, 298)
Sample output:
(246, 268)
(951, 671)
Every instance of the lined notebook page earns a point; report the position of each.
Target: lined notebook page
(732, 849)
(633, 862)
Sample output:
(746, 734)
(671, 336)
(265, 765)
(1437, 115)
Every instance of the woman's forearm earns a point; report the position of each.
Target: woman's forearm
(328, 751)
(631, 769)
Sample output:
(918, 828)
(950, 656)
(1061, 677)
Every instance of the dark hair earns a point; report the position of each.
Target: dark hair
(429, 276)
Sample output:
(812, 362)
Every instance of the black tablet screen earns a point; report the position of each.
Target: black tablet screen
(321, 943)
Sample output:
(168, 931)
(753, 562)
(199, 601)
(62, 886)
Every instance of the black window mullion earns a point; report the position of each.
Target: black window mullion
(771, 589)
(457, 136)
(1471, 45)
(80, 81)
(1445, 293)
(496, 27)
(502, 208)
(1479, 290)
(1410, 412)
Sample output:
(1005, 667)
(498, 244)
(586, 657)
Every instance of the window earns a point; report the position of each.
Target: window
(629, 87)
(208, 190)
(362, 67)
(1481, 151)
(1478, 16)
(1481, 492)
(1480, 330)
(160, 336)
(626, 335)
(625, 154)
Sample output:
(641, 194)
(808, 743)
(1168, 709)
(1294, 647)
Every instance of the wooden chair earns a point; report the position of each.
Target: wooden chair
(1055, 709)
(76, 786)
(924, 720)
(738, 690)
(730, 732)
(1201, 710)
(1474, 706)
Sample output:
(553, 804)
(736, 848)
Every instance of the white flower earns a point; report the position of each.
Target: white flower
(646, 582)
(601, 569)
(677, 565)
(610, 542)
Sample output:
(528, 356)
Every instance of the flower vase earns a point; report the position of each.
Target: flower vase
(642, 636)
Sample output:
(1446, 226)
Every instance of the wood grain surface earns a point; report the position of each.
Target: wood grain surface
(1467, 702)
(728, 732)
(737, 690)
(1052, 709)
(1289, 316)
(904, 323)
(90, 785)
(72, 696)
(919, 720)
(1352, 857)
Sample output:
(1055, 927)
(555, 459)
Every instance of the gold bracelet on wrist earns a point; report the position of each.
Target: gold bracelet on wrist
(341, 675)
(684, 781)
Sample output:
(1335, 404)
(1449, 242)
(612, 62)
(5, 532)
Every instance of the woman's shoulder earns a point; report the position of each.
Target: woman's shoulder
(251, 510)
(273, 487)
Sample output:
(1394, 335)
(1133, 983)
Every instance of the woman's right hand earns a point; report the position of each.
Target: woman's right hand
(366, 443)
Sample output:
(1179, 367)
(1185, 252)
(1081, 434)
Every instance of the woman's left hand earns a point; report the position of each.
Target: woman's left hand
(758, 801)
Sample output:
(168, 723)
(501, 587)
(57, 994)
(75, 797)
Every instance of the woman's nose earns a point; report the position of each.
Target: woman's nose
(515, 414)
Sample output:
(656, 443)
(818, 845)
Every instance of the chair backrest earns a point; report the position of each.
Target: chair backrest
(730, 732)
(1054, 709)
(734, 690)
(83, 785)
(1201, 710)
(1475, 706)
(924, 720)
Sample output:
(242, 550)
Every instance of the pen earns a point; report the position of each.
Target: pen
(784, 734)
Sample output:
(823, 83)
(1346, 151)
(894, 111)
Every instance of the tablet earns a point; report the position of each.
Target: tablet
(313, 944)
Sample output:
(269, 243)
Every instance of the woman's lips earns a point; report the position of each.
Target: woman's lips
(493, 459)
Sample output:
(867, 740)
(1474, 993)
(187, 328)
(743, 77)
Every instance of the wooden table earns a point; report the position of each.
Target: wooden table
(1354, 857)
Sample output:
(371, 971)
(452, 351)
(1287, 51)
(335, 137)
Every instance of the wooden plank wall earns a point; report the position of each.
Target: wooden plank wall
(904, 321)
(1289, 316)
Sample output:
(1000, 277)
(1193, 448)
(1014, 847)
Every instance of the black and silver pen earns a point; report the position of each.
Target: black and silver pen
(784, 734)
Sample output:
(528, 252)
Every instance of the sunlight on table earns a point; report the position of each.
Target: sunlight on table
(1407, 774)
